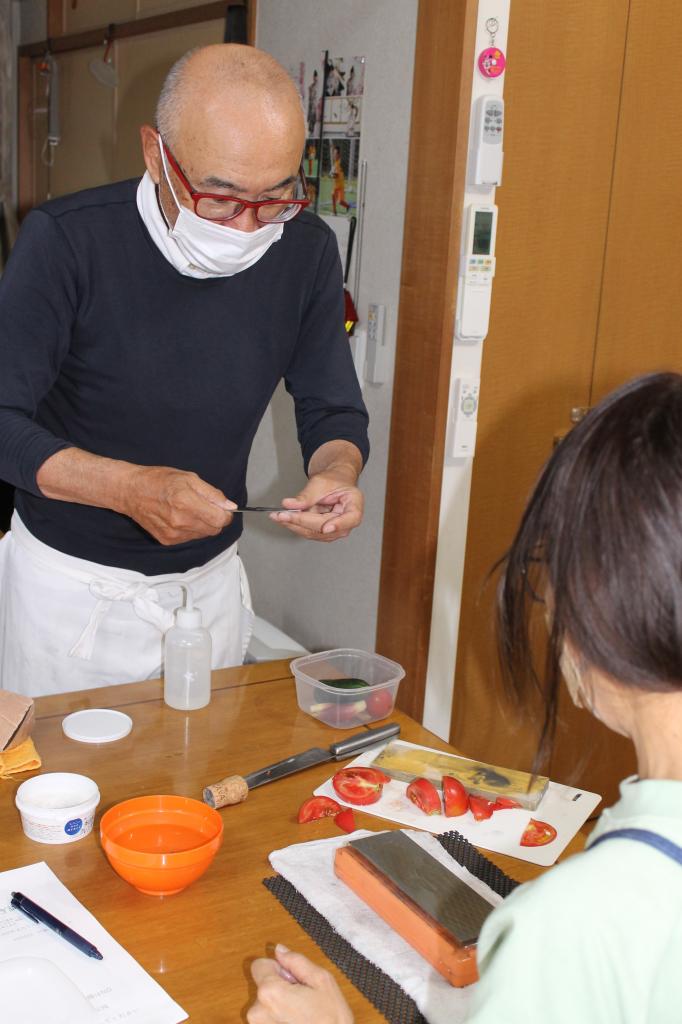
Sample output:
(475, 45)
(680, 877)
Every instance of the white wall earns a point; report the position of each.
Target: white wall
(325, 595)
(456, 486)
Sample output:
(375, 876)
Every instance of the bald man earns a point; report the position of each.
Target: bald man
(144, 326)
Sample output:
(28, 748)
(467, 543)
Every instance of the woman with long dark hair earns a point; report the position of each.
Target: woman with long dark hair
(598, 554)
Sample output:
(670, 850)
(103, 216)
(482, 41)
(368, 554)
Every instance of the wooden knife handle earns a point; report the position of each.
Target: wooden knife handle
(230, 790)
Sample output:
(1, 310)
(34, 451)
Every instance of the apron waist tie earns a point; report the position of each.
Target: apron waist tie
(145, 602)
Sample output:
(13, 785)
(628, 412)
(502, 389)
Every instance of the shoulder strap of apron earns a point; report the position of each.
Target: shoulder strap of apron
(642, 835)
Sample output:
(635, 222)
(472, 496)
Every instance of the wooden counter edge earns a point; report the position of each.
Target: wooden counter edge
(128, 694)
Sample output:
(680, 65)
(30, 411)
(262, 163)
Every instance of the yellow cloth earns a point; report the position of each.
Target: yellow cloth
(24, 758)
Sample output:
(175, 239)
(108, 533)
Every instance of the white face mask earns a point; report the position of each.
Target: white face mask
(216, 249)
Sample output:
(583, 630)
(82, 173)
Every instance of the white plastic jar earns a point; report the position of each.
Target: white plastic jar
(57, 807)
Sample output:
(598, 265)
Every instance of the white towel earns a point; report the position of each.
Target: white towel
(309, 868)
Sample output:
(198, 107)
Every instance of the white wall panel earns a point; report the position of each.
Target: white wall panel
(325, 595)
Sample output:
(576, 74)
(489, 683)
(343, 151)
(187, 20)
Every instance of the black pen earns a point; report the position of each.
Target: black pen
(40, 916)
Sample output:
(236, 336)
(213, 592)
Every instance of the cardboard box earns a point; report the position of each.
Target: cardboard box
(16, 719)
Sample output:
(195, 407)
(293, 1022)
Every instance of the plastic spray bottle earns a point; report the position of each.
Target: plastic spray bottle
(187, 660)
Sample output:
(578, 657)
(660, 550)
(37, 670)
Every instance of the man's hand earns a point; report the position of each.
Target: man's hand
(311, 996)
(170, 504)
(175, 506)
(330, 505)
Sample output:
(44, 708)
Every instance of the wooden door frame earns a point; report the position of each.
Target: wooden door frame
(441, 100)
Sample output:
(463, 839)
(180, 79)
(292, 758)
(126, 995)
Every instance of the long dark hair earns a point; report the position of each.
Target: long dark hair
(601, 538)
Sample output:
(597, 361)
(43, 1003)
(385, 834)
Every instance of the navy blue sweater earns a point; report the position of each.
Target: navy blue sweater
(106, 347)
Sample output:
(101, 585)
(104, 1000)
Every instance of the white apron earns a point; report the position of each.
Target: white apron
(68, 624)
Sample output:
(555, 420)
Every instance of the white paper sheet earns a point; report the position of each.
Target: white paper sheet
(561, 806)
(116, 987)
(309, 867)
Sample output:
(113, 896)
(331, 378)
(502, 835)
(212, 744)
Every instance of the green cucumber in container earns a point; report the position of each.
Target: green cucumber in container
(350, 701)
(349, 683)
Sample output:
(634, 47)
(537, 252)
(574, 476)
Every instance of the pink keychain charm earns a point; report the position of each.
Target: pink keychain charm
(491, 61)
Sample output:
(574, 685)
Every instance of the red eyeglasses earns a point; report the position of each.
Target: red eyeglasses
(221, 208)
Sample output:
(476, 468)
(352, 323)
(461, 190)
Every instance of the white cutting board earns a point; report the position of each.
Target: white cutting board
(561, 806)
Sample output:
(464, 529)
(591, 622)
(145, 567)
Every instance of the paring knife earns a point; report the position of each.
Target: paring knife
(234, 788)
(273, 508)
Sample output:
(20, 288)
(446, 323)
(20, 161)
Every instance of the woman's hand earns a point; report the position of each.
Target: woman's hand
(312, 997)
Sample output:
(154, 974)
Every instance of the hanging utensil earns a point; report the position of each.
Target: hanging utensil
(350, 315)
(103, 68)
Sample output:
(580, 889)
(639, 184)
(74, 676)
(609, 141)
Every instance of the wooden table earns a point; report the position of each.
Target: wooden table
(198, 944)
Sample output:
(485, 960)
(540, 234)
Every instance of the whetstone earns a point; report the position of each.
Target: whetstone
(436, 912)
(405, 762)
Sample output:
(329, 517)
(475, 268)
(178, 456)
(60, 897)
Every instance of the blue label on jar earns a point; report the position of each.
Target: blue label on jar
(73, 827)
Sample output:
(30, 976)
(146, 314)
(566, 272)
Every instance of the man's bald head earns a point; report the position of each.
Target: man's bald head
(234, 121)
(217, 80)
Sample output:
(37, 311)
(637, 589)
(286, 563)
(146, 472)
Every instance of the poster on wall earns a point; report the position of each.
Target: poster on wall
(331, 90)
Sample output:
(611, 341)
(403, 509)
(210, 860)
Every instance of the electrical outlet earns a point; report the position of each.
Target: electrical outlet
(377, 349)
(375, 324)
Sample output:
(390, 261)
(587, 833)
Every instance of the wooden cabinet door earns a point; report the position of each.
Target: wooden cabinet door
(562, 99)
(641, 306)
(640, 309)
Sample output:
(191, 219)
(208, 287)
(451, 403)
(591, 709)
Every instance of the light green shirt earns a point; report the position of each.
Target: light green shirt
(597, 939)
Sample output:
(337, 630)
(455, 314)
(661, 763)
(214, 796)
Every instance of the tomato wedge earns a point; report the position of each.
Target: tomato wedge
(538, 833)
(425, 795)
(505, 803)
(359, 785)
(455, 797)
(316, 807)
(346, 820)
(481, 808)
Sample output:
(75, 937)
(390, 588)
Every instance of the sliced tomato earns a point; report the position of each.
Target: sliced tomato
(505, 803)
(538, 833)
(346, 820)
(480, 807)
(377, 774)
(317, 807)
(455, 797)
(380, 703)
(358, 785)
(425, 795)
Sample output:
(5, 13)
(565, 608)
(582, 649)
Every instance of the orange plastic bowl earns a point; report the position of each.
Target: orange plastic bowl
(161, 844)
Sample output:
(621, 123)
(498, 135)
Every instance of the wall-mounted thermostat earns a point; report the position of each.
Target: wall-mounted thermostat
(476, 273)
(486, 142)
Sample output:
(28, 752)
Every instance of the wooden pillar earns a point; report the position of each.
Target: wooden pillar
(435, 186)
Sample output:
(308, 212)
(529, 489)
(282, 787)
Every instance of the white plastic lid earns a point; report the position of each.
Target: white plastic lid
(188, 618)
(97, 725)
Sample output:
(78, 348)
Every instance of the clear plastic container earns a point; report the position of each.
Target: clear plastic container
(352, 705)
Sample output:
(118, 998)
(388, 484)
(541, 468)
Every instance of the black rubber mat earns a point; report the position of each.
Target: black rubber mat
(384, 993)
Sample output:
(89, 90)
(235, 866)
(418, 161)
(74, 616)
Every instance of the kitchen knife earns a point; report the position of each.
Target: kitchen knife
(260, 508)
(272, 508)
(234, 789)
